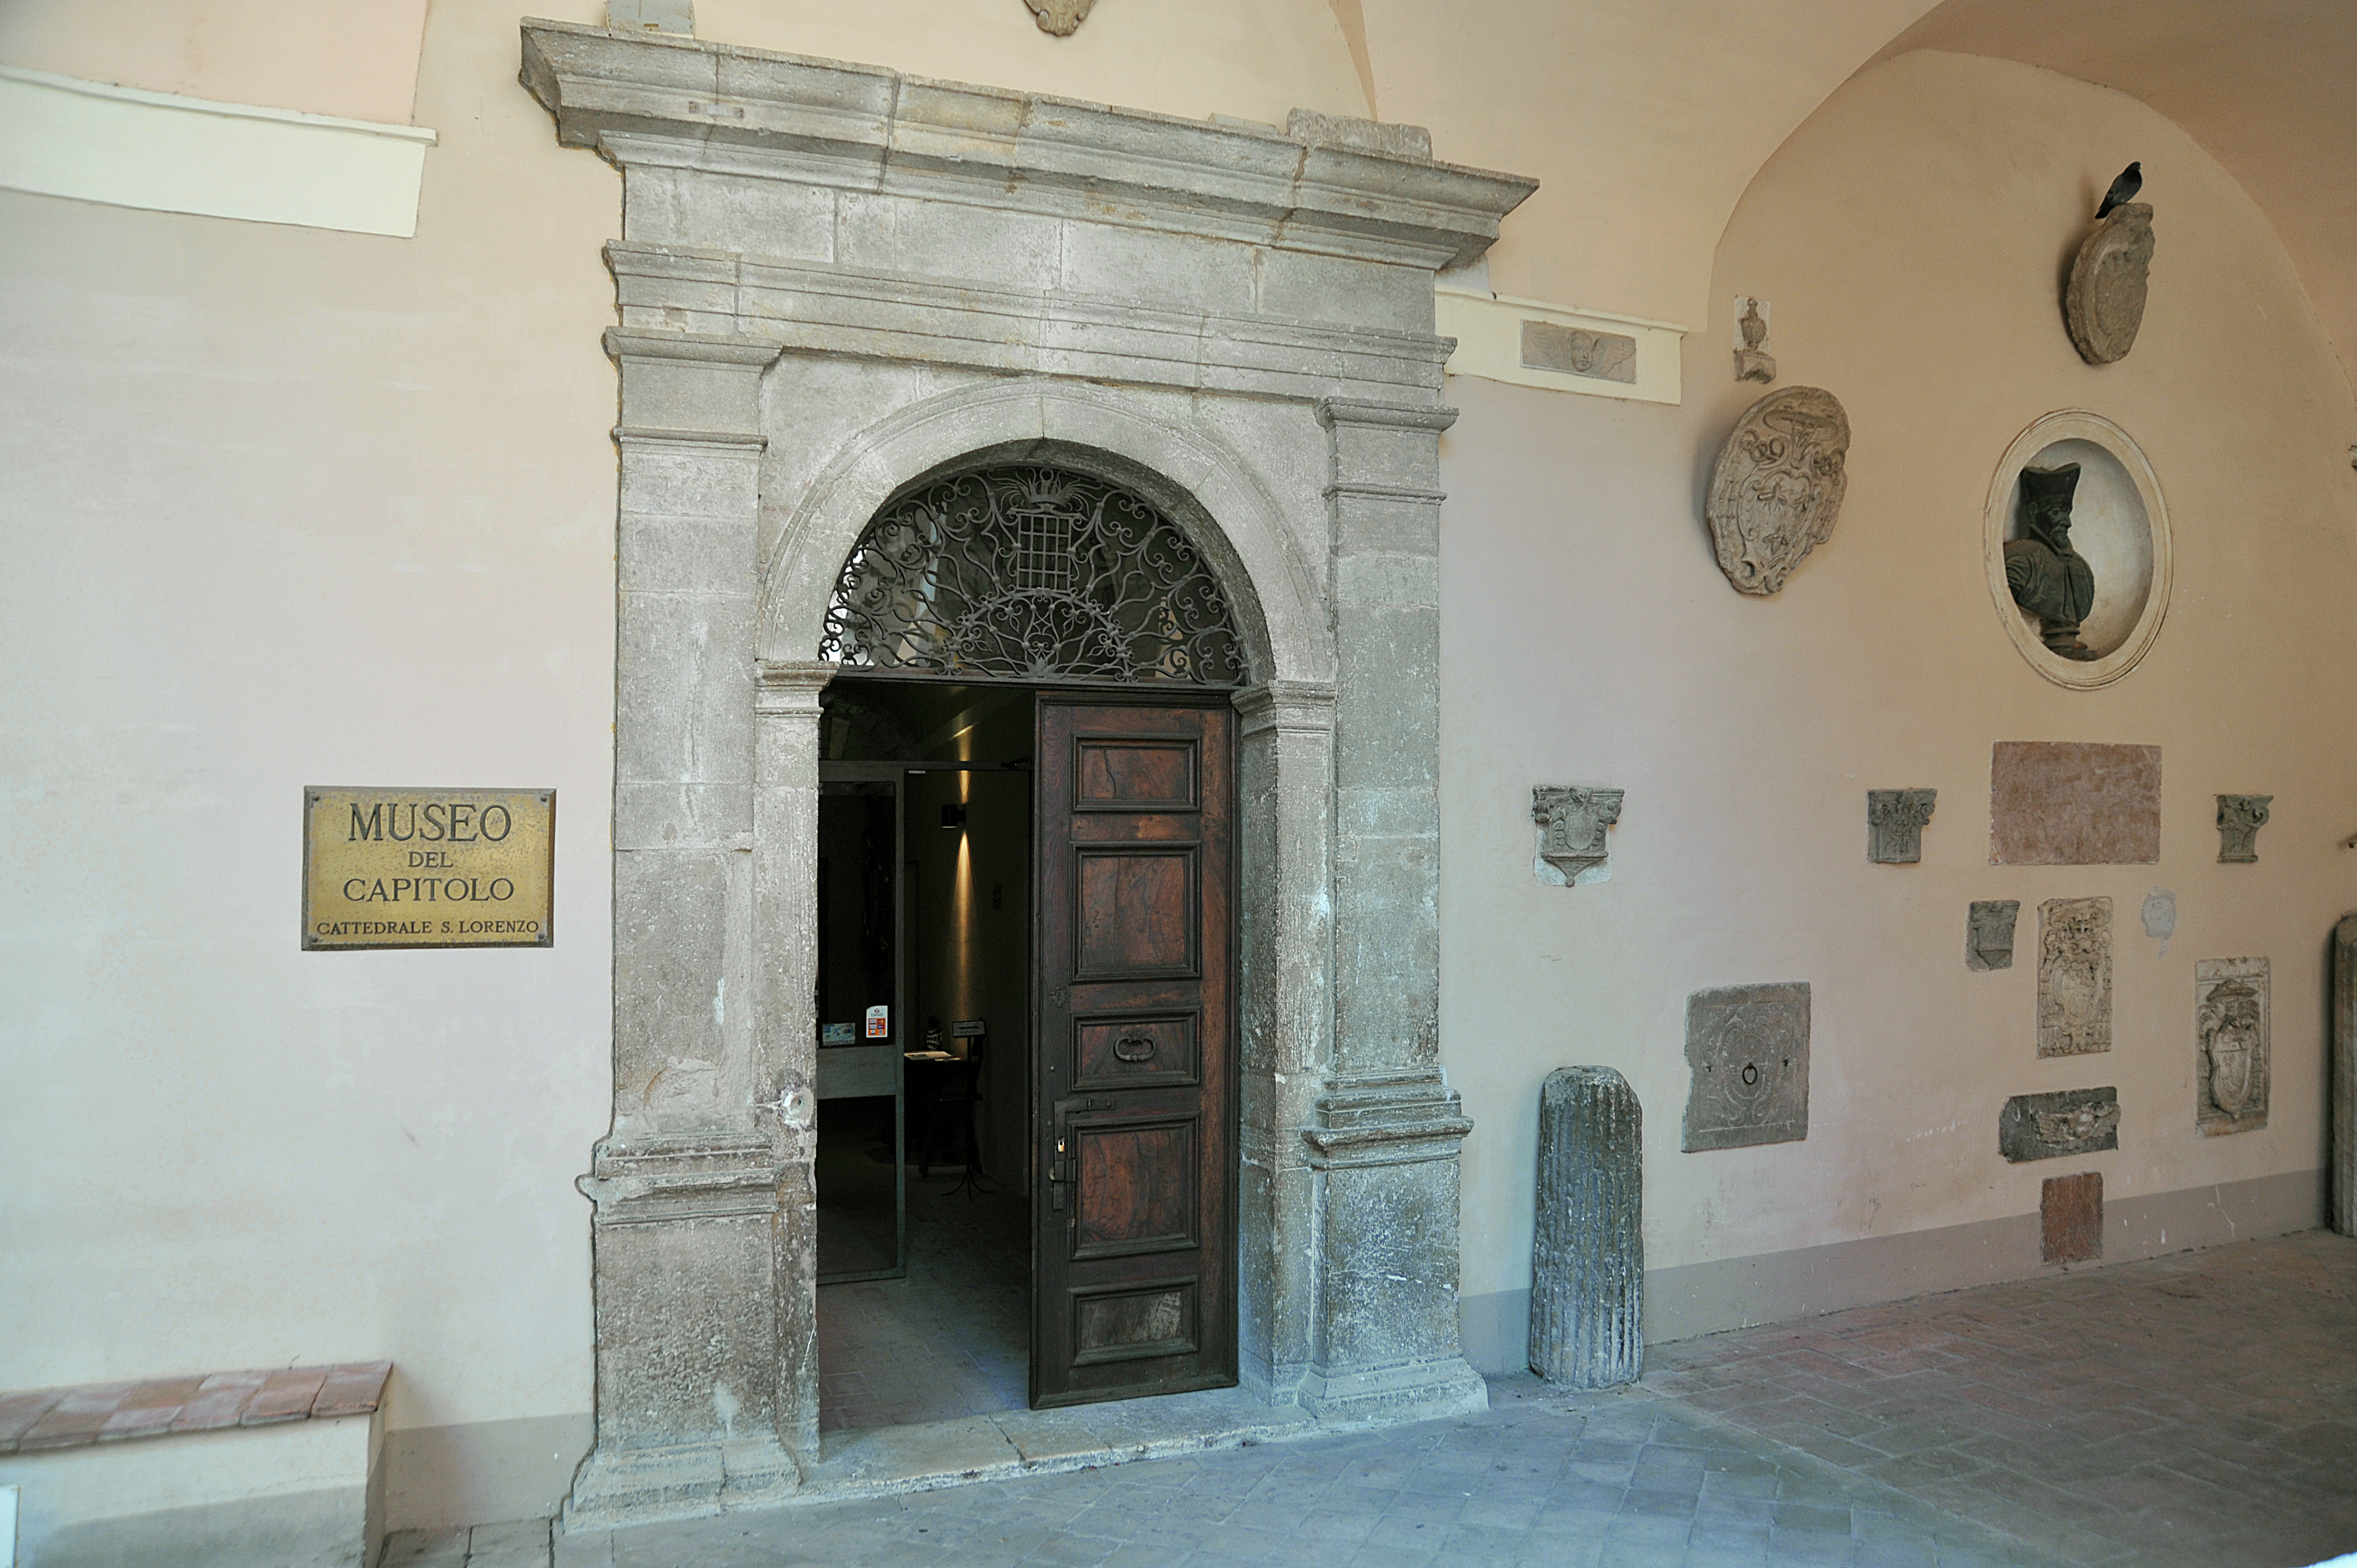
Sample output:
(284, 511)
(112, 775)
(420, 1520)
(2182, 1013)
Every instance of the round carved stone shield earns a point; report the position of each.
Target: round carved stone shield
(1776, 486)
(2104, 302)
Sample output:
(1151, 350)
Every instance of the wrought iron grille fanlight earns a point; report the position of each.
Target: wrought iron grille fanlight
(1032, 574)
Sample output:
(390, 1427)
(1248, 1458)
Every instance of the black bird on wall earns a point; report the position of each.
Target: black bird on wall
(2124, 189)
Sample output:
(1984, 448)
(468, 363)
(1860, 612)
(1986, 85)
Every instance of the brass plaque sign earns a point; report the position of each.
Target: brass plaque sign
(428, 868)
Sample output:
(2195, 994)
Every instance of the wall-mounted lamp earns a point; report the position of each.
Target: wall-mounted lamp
(954, 816)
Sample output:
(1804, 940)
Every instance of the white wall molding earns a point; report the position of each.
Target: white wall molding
(127, 147)
(1490, 329)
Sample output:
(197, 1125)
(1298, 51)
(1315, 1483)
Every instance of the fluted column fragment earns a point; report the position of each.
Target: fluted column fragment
(1587, 1258)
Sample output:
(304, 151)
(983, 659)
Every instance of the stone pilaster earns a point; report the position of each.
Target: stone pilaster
(785, 986)
(690, 1183)
(1285, 780)
(1385, 1128)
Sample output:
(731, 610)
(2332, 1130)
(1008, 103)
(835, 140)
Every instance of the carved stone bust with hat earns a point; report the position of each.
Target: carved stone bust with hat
(2047, 577)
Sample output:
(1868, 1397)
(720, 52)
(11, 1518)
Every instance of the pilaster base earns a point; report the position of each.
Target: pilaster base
(691, 1480)
(1420, 1390)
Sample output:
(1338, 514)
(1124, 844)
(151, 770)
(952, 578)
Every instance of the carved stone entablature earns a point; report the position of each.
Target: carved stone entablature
(1776, 486)
(2050, 1126)
(1895, 820)
(2240, 818)
(1748, 1046)
(652, 100)
(2232, 1065)
(2074, 976)
(1989, 933)
(1571, 821)
(2103, 304)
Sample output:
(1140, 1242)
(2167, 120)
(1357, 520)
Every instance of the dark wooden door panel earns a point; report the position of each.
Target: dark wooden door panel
(1153, 1320)
(1135, 1050)
(1139, 914)
(1138, 1187)
(1133, 1278)
(1135, 774)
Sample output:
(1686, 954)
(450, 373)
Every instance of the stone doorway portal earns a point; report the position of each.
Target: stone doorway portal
(1124, 1028)
(833, 282)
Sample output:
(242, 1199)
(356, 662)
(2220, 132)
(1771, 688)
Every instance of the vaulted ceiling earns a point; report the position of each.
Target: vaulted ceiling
(1645, 120)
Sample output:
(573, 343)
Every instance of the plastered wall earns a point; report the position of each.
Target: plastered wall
(1911, 236)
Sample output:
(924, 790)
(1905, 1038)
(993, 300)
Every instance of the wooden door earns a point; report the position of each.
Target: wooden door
(1134, 1259)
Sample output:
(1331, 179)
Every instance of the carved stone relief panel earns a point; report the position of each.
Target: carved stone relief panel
(2050, 1126)
(1604, 356)
(1571, 821)
(2230, 1068)
(2074, 976)
(1748, 1046)
(2240, 818)
(1989, 933)
(1061, 17)
(2103, 303)
(1894, 824)
(1776, 486)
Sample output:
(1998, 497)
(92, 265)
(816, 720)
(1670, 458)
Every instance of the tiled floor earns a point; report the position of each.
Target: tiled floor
(1593, 1481)
(2199, 1409)
(952, 1338)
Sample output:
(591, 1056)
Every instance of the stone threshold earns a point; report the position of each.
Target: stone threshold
(887, 1460)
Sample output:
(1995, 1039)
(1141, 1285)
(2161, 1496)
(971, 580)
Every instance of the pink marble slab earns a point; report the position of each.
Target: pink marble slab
(2074, 803)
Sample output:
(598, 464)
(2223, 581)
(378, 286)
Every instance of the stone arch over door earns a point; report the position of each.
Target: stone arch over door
(1194, 477)
(814, 314)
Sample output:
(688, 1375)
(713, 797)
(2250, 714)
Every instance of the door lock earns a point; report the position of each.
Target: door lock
(1064, 1164)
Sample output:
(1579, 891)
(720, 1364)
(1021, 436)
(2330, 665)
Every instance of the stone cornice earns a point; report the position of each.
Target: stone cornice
(647, 99)
(790, 685)
(1300, 706)
(1334, 411)
(694, 348)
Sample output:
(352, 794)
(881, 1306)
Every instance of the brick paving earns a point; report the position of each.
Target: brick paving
(2199, 1409)
(1580, 1481)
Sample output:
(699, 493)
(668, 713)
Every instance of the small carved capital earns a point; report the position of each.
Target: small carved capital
(1571, 821)
(1895, 820)
(791, 686)
(2240, 818)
